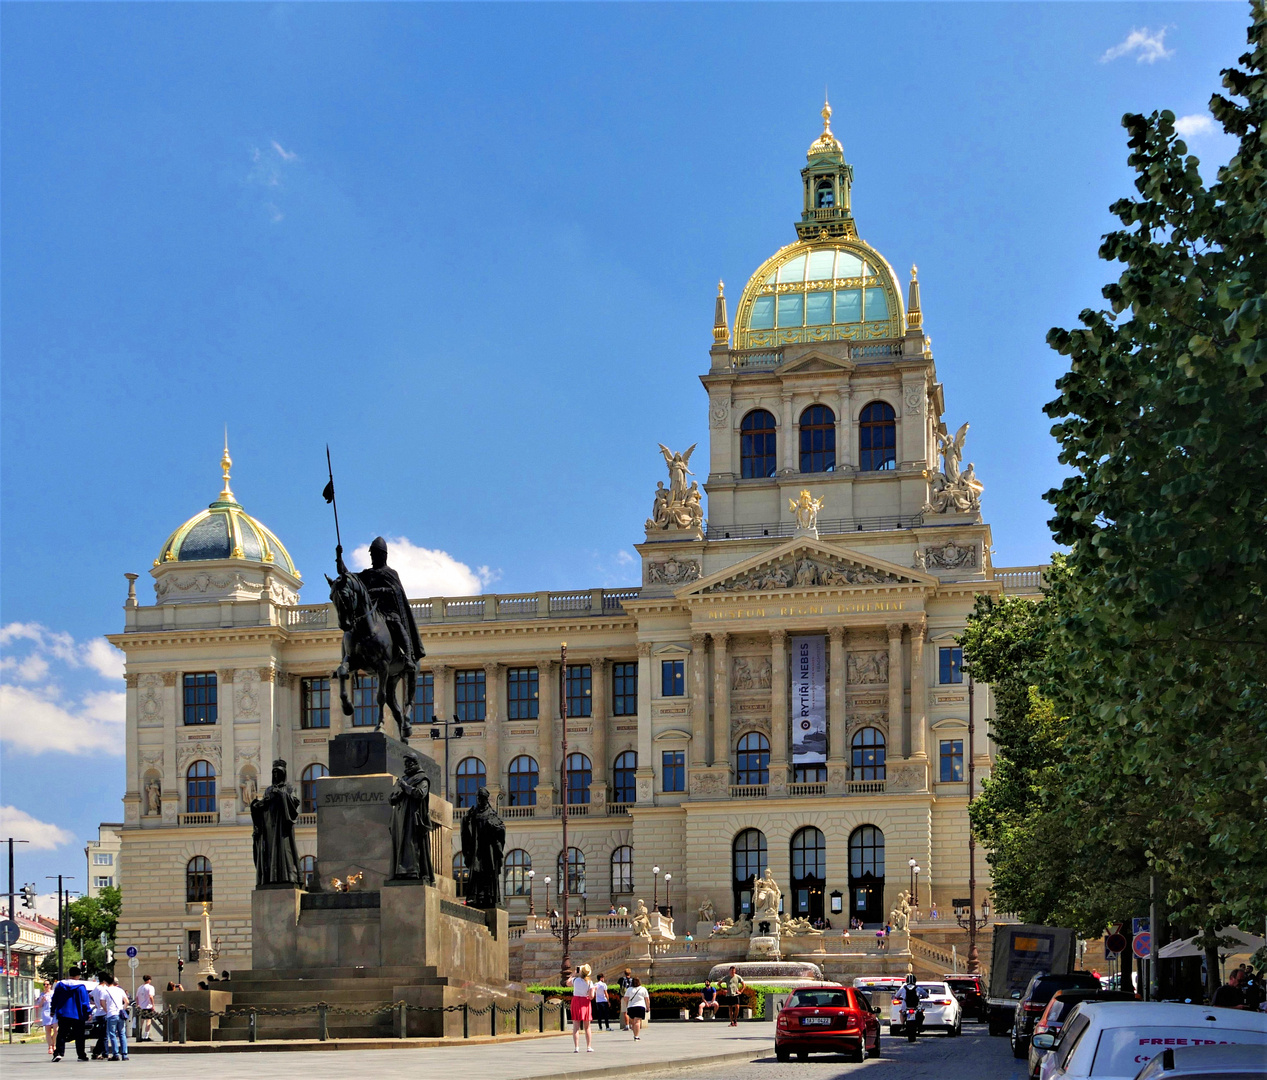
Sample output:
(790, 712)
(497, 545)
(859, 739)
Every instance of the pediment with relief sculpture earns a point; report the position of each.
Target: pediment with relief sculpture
(806, 564)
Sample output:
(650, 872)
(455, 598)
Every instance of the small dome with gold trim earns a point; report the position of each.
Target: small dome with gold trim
(225, 531)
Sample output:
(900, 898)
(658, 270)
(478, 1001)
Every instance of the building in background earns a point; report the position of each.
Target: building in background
(783, 690)
(103, 858)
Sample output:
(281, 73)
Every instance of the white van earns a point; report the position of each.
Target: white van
(1114, 1040)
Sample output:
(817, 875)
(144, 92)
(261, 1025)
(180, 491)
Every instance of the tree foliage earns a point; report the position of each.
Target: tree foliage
(86, 919)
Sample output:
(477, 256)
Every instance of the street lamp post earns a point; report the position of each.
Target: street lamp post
(565, 962)
(667, 878)
(547, 896)
(655, 888)
(532, 895)
(61, 924)
(974, 961)
(915, 895)
(910, 888)
(446, 730)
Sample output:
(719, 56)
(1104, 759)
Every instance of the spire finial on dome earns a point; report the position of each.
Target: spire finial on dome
(721, 325)
(914, 317)
(226, 463)
(826, 114)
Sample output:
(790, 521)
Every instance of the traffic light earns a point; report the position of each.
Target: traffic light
(28, 896)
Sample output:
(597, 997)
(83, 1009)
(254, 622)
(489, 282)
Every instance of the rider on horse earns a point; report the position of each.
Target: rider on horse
(383, 585)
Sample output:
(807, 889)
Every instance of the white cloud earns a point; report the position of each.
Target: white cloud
(285, 155)
(37, 714)
(626, 558)
(1148, 46)
(428, 572)
(42, 835)
(1196, 124)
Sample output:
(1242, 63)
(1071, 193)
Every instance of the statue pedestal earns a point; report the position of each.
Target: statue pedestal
(933, 520)
(362, 753)
(354, 828)
(655, 536)
(763, 947)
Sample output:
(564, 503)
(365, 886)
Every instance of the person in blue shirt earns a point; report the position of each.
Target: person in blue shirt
(71, 1007)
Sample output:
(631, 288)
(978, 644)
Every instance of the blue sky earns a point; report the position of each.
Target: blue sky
(475, 249)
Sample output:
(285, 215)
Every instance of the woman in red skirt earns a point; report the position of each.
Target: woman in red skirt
(582, 1009)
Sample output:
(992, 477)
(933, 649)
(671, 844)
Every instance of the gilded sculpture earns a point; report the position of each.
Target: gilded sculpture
(805, 509)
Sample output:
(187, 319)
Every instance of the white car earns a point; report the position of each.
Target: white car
(1114, 1040)
(942, 1010)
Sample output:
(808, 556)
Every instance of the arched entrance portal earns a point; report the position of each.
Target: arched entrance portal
(748, 859)
(809, 873)
(866, 874)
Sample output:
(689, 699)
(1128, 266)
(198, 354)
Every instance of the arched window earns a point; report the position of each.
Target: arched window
(471, 776)
(809, 872)
(624, 789)
(461, 875)
(622, 869)
(866, 874)
(198, 880)
(576, 872)
(757, 444)
(748, 861)
(824, 197)
(818, 439)
(580, 775)
(877, 437)
(308, 871)
(752, 759)
(518, 863)
(868, 754)
(200, 788)
(308, 787)
(523, 777)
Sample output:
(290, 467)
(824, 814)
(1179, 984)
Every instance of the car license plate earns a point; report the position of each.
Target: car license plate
(822, 1021)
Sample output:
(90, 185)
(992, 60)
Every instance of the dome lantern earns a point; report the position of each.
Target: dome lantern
(827, 180)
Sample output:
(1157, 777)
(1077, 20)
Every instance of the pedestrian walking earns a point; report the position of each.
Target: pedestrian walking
(625, 983)
(602, 1006)
(639, 1005)
(97, 1022)
(145, 1006)
(47, 1020)
(582, 1009)
(115, 1001)
(734, 994)
(71, 1008)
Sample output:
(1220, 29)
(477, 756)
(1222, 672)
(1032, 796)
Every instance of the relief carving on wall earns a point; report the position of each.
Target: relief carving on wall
(903, 778)
(150, 705)
(750, 673)
(247, 697)
(705, 784)
(719, 413)
(805, 572)
(187, 752)
(672, 572)
(914, 400)
(951, 556)
(199, 583)
(868, 668)
(741, 725)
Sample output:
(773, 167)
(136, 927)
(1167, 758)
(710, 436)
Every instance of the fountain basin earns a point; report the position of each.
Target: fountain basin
(782, 972)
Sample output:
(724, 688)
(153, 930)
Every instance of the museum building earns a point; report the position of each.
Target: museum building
(783, 690)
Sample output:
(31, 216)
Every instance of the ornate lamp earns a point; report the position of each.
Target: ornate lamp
(532, 905)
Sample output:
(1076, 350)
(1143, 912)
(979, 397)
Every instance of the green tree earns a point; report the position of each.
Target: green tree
(1163, 419)
(86, 920)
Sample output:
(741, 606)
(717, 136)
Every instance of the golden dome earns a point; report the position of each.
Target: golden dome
(826, 143)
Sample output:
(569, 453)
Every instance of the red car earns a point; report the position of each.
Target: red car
(826, 1019)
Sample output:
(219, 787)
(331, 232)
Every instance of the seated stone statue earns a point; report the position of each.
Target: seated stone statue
(640, 924)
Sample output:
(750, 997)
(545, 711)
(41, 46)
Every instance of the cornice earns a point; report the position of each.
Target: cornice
(199, 636)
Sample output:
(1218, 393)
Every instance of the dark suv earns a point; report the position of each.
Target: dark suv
(1034, 1001)
(970, 991)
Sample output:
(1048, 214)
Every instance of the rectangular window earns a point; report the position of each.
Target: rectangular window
(673, 770)
(200, 698)
(762, 314)
(364, 700)
(624, 689)
(103, 882)
(951, 761)
(672, 678)
(193, 939)
(950, 667)
(817, 308)
(425, 698)
(316, 704)
(522, 693)
(792, 309)
(580, 684)
(102, 858)
(877, 305)
(469, 695)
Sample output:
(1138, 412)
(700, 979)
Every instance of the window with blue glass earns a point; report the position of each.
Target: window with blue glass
(580, 776)
(315, 712)
(200, 788)
(877, 437)
(818, 439)
(752, 760)
(580, 688)
(522, 781)
(625, 689)
(425, 698)
(951, 761)
(672, 678)
(471, 776)
(200, 697)
(364, 700)
(950, 666)
(521, 693)
(624, 790)
(673, 770)
(468, 695)
(757, 444)
(868, 755)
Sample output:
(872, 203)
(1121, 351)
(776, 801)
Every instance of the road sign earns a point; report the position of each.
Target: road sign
(1139, 926)
(10, 931)
(131, 950)
(133, 962)
(1115, 943)
(1142, 944)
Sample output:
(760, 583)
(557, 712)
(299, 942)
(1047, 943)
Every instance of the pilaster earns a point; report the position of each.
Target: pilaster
(598, 713)
(548, 724)
(836, 761)
(494, 710)
(172, 722)
(778, 712)
(699, 700)
(226, 715)
(897, 736)
(787, 437)
(719, 742)
(919, 691)
(645, 775)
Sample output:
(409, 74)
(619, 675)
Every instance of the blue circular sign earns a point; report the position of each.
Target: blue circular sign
(131, 950)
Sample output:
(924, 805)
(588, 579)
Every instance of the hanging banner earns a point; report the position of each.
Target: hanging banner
(809, 700)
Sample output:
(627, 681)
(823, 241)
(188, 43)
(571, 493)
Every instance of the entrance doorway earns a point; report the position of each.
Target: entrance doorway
(866, 874)
(809, 873)
(748, 860)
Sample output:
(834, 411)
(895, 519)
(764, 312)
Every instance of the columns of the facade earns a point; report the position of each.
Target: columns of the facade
(699, 700)
(133, 798)
(598, 711)
(226, 708)
(172, 779)
(547, 710)
(442, 691)
(898, 743)
(787, 436)
(919, 692)
(494, 710)
(836, 760)
(778, 712)
(645, 775)
(718, 751)
(845, 457)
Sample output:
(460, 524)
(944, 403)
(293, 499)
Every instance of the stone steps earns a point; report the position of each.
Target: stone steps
(281, 997)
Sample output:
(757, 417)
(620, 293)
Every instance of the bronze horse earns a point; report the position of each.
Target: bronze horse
(368, 647)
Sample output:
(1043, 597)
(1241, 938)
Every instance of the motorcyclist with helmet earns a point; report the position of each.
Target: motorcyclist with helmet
(912, 1011)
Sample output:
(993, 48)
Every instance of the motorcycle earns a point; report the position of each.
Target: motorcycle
(914, 1021)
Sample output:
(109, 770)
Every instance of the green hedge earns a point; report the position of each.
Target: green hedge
(674, 996)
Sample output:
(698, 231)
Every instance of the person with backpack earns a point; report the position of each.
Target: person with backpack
(71, 1008)
(625, 982)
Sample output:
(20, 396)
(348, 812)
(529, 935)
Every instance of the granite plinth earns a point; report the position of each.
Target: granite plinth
(364, 753)
(354, 817)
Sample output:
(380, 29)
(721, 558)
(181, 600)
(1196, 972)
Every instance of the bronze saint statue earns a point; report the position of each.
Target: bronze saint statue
(274, 814)
(380, 636)
(411, 825)
(483, 849)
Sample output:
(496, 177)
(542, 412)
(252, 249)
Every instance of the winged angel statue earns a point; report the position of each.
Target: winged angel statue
(677, 506)
(952, 490)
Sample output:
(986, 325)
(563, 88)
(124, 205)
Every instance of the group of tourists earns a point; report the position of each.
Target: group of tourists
(78, 1008)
